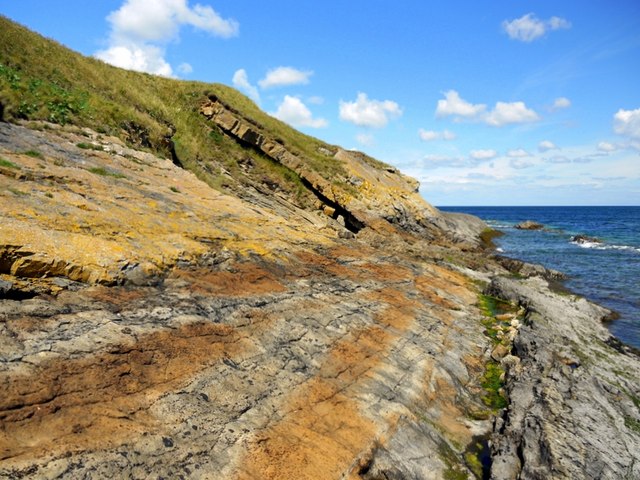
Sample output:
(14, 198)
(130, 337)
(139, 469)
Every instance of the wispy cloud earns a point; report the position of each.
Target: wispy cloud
(369, 113)
(560, 103)
(529, 27)
(431, 135)
(546, 145)
(483, 154)
(141, 29)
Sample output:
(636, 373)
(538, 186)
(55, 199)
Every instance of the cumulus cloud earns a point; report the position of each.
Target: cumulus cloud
(627, 122)
(431, 135)
(607, 147)
(294, 112)
(529, 27)
(483, 154)
(503, 113)
(241, 82)
(560, 103)
(369, 113)
(518, 153)
(454, 105)
(142, 58)
(514, 112)
(546, 145)
(284, 76)
(140, 30)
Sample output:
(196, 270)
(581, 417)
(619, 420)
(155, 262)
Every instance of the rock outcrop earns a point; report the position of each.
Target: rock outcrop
(574, 398)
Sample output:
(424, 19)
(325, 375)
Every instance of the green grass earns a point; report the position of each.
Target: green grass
(7, 164)
(42, 80)
(89, 146)
(106, 173)
(34, 154)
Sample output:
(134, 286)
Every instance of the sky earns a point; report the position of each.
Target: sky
(501, 102)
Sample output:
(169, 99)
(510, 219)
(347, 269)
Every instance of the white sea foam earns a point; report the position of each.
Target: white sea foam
(603, 246)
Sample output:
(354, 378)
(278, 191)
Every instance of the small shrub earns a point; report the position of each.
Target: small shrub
(174, 189)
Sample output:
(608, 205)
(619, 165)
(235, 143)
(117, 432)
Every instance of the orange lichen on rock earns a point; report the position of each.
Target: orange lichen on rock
(100, 400)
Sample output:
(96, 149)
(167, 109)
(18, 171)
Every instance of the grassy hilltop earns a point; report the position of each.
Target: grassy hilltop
(43, 80)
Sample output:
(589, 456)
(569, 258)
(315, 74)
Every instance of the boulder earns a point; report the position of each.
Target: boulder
(582, 239)
(529, 225)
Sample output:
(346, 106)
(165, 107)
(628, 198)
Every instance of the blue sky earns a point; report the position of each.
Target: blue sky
(485, 102)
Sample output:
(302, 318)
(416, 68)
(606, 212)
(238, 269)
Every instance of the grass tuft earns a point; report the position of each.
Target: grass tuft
(106, 173)
(7, 164)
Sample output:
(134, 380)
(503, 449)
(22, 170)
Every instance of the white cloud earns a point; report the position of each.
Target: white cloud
(142, 58)
(284, 76)
(365, 139)
(529, 27)
(456, 106)
(518, 153)
(141, 28)
(185, 68)
(514, 112)
(520, 163)
(431, 135)
(241, 82)
(315, 100)
(607, 147)
(560, 103)
(627, 122)
(546, 145)
(483, 154)
(369, 113)
(502, 114)
(294, 112)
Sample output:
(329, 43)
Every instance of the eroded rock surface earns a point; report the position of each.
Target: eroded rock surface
(151, 327)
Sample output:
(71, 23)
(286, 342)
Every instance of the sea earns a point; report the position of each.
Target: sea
(605, 268)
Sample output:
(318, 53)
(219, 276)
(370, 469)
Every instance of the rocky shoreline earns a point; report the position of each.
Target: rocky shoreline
(214, 337)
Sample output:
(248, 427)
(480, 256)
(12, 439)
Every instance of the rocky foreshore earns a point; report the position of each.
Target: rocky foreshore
(153, 327)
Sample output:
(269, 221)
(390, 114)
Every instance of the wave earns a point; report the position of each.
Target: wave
(604, 246)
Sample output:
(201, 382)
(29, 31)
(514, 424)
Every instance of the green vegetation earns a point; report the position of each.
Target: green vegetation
(174, 189)
(89, 146)
(492, 380)
(487, 236)
(42, 80)
(493, 384)
(18, 193)
(8, 164)
(34, 154)
(455, 469)
(106, 173)
(632, 424)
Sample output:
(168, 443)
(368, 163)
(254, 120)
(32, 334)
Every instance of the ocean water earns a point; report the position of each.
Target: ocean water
(606, 272)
